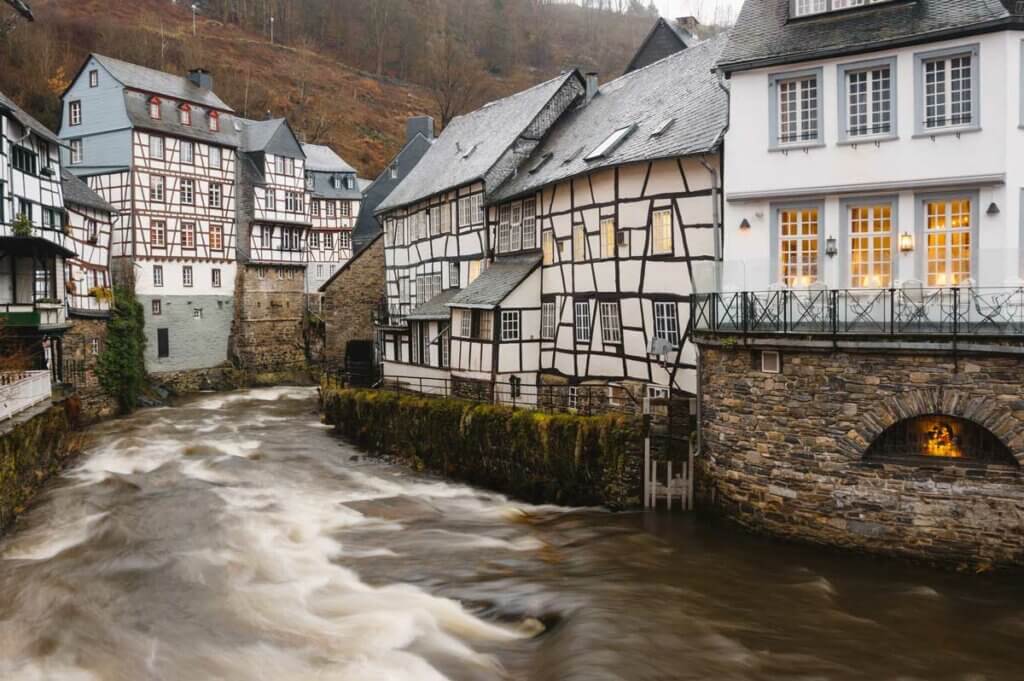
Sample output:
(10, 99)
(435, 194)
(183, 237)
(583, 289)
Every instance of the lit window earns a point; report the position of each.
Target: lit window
(611, 329)
(609, 145)
(661, 232)
(547, 321)
(870, 228)
(949, 225)
(186, 276)
(608, 238)
(579, 243)
(666, 322)
(548, 241)
(510, 326)
(76, 151)
(474, 270)
(582, 322)
(75, 113)
(798, 245)
(188, 235)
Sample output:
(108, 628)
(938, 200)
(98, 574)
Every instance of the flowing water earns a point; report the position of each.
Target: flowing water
(233, 537)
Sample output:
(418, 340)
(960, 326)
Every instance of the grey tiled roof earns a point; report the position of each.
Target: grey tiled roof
(486, 133)
(137, 106)
(436, 307)
(160, 83)
(256, 135)
(78, 192)
(764, 34)
(681, 86)
(496, 282)
(8, 106)
(671, 30)
(323, 158)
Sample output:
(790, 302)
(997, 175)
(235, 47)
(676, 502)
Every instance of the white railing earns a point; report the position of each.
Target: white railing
(20, 390)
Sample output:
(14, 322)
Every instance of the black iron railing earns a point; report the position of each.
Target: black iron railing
(906, 311)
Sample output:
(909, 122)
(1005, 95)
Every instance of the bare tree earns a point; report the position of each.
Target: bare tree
(454, 73)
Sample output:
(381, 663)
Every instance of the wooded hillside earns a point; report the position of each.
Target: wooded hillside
(346, 72)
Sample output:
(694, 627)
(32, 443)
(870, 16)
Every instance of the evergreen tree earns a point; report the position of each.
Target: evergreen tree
(122, 367)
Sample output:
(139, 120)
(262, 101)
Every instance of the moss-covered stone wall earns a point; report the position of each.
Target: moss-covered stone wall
(540, 458)
(32, 450)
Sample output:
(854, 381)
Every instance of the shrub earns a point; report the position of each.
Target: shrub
(121, 366)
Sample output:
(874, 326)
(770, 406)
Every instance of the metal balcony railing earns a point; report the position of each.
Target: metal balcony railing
(905, 311)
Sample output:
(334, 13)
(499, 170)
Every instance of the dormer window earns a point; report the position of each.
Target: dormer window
(214, 121)
(335, 182)
(154, 108)
(185, 114)
(806, 8)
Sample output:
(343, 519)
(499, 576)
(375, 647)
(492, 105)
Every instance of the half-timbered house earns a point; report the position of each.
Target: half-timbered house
(274, 225)
(334, 208)
(33, 244)
(161, 149)
(436, 237)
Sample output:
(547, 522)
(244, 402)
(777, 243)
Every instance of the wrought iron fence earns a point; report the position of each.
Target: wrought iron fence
(909, 310)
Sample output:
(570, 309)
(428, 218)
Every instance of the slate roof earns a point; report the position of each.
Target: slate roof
(681, 86)
(673, 30)
(496, 282)
(137, 107)
(488, 132)
(435, 308)
(8, 106)
(324, 159)
(764, 34)
(79, 193)
(256, 135)
(355, 255)
(160, 83)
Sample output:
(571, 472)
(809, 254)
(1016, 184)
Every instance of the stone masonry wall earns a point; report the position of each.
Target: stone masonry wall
(80, 357)
(784, 453)
(349, 302)
(267, 331)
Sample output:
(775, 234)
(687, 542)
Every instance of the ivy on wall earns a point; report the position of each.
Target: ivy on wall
(537, 457)
(121, 367)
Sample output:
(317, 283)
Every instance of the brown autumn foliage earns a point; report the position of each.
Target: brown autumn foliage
(13, 356)
(347, 72)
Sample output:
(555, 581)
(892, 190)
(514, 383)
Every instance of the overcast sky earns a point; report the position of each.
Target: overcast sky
(705, 10)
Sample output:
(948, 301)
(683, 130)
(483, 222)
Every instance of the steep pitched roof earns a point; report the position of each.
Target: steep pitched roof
(137, 108)
(273, 136)
(496, 282)
(665, 36)
(322, 158)
(8, 106)
(381, 186)
(435, 308)
(680, 88)
(472, 143)
(79, 193)
(765, 34)
(159, 83)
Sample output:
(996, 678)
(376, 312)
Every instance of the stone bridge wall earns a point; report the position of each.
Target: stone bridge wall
(784, 453)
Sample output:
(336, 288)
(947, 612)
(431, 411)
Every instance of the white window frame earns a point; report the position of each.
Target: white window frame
(215, 277)
(876, 207)
(160, 231)
(187, 192)
(218, 154)
(466, 323)
(873, 103)
(158, 276)
(188, 235)
(581, 320)
(609, 237)
(811, 8)
(803, 276)
(505, 228)
(548, 247)
(216, 195)
(187, 278)
(94, 78)
(75, 113)
(188, 152)
(157, 148)
(922, 233)
(921, 61)
(610, 143)
(216, 237)
(548, 322)
(611, 324)
(666, 321)
(77, 153)
(510, 325)
(658, 234)
(800, 80)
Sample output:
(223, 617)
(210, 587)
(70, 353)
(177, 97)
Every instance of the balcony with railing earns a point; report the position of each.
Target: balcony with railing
(89, 304)
(22, 390)
(967, 314)
(42, 315)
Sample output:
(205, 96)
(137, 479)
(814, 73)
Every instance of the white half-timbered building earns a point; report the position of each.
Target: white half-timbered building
(161, 149)
(436, 238)
(589, 251)
(89, 219)
(33, 244)
(334, 205)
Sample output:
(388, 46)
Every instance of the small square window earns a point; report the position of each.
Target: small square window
(197, 313)
(771, 362)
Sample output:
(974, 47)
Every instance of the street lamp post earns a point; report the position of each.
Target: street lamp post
(271, 30)
(195, 8)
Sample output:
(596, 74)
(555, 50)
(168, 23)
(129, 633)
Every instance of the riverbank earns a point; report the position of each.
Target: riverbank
(540, 458)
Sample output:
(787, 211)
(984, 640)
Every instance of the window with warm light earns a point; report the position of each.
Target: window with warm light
(579, 243)
(871, 245)
(948, 226)
(548, 243)
(608, 238)
(798, 245)
(661, 232)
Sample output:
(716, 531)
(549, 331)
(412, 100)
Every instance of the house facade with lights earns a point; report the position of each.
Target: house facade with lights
(870, 294)
(161, 149)
(571, 279)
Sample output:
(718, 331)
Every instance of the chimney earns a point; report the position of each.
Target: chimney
(422, 125)
(688, 24)
(592, 86)
(201, 78)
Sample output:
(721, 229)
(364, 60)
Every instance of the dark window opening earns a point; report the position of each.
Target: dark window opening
(163, 343)
(938, 436)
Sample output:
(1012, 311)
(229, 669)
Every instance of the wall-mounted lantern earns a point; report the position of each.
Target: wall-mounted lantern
(906, 242)
(830, 247)
(993, 209)
(745, 225)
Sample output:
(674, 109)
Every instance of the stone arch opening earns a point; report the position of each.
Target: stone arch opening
(940, 437)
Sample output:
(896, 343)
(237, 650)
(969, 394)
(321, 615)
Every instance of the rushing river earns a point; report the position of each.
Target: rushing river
(233, 537)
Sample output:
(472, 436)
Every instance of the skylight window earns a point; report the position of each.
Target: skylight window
(663, 127)
(804, 8)
(609, 145)
(540, 162)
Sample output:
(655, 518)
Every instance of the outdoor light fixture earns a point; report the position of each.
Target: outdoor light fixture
(993, 209)
(906, 242)
(745, 225)
(830, 247)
